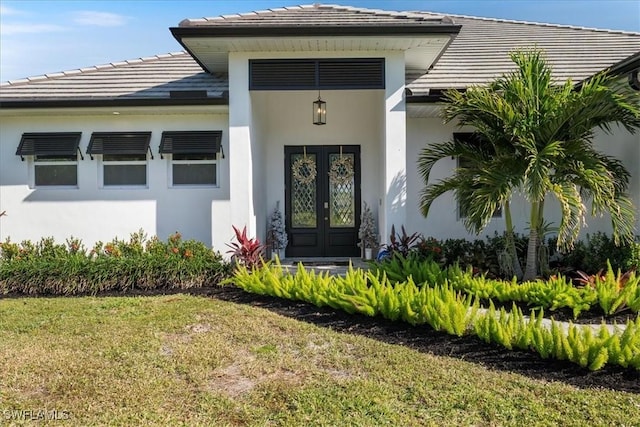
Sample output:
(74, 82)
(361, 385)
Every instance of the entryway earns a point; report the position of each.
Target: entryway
(322, 200)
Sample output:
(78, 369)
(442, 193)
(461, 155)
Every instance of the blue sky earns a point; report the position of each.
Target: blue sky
(41, 36)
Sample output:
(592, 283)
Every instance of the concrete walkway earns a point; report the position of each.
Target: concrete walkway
(335, 266)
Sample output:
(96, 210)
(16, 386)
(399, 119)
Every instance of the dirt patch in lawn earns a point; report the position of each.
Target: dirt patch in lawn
(425, 339)
(239, 377)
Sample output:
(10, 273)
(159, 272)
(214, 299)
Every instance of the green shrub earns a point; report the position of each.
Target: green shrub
(611, 292)
(593, 254)
(590, 255)
(139, 263)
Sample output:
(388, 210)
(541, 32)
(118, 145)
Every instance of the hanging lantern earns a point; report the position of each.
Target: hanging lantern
(319, 111)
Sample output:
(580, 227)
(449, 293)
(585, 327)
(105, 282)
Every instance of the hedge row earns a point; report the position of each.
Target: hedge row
(49, 268)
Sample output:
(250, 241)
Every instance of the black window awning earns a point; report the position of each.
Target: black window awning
(191, 142)
(119, 143)
(49, 144)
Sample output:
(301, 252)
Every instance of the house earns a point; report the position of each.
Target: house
(220, 133)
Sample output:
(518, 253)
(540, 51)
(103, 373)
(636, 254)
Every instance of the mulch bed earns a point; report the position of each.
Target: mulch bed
(423, 339)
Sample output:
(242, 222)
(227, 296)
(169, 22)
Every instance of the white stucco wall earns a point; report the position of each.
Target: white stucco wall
(93, 213)
(443, 221)
(625, 147)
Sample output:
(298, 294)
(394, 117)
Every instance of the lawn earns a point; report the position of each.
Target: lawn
(195, 360)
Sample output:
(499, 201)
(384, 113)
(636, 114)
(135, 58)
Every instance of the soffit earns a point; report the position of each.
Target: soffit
(424, 110)
(213, 52)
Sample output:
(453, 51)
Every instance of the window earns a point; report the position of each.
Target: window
(124, 157)
(55, 158)
(476, 140)
(313, 74)
(194, 156)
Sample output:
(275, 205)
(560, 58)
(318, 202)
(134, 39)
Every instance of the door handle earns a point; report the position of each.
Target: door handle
(326, 205)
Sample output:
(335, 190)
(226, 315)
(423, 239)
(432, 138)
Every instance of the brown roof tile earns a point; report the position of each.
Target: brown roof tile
(144, 78)
(479, 53)
(316, 15)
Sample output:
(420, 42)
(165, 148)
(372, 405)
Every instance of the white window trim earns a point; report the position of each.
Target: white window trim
(171, 162)
(102, 163)
(31, 165)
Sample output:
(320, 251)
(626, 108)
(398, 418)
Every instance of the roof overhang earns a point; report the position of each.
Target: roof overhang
(210, 46)
(627, 65)
(114, 111)
(631, 67)
(133, 102)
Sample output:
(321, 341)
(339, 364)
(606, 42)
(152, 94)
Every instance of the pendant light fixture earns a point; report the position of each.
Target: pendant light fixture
(319, 111)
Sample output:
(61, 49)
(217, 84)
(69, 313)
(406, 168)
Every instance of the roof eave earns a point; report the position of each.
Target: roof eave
(311, 30)
(627, 65)
(132, 102)
(434, 95)
(424, 99)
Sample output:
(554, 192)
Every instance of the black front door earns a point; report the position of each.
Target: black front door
(322, 200)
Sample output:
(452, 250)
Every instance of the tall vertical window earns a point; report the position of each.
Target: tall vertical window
(193, 157)
(474, 139)
(55, 157)
(124, 157)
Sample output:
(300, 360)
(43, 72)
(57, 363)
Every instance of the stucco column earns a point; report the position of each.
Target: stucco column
(241, 163)
(393, 209)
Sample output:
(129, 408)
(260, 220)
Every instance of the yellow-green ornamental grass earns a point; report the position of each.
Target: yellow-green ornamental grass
(185, 360)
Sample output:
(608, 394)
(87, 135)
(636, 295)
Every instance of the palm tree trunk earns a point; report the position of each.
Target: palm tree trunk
(540, 223)
(510, 240)
(531, 270)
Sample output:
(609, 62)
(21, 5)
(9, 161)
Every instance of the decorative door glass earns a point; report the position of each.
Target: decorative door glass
(304, 190)
(342, 210)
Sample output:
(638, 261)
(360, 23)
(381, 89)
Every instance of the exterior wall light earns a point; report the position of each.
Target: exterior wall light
(319, 111)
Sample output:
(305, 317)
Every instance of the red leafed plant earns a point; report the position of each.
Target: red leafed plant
(246, 251)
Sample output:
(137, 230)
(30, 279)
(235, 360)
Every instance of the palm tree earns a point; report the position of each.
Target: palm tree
(541, 143)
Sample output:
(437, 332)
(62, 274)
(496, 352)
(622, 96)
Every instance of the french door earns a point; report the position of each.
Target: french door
(322, 200)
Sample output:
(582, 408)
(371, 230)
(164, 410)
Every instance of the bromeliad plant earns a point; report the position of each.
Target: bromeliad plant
(247, 251)
(401, 243)
(615, 293)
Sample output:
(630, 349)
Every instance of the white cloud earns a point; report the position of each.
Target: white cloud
(28, 28)
(6, 11)
(99, 19)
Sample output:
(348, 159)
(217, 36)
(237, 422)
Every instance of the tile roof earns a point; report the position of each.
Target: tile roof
(144, 78)
(479, 53)
(318, 15)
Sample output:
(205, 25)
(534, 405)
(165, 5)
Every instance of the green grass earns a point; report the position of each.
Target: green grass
(185, 360)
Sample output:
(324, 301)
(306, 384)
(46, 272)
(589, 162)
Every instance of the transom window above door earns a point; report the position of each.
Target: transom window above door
(316, 74)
